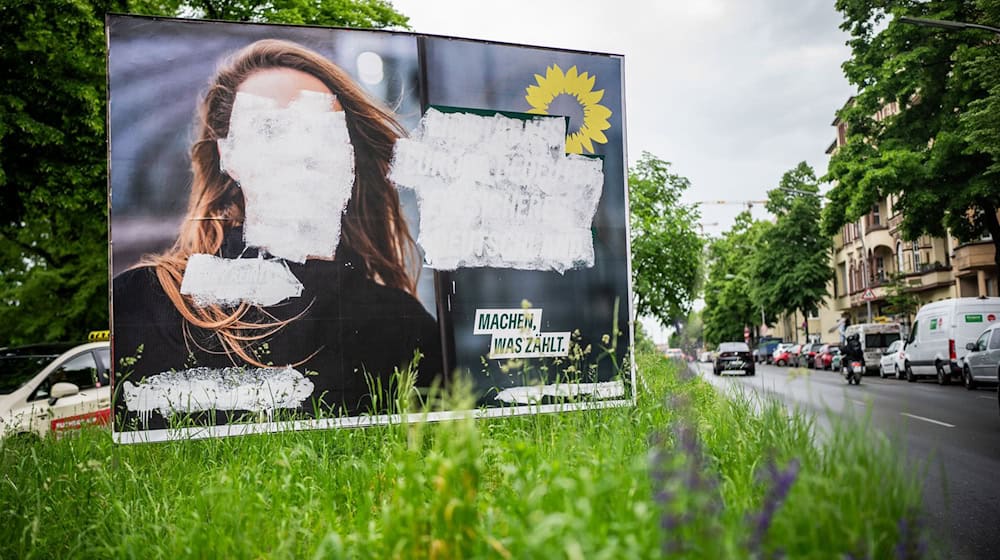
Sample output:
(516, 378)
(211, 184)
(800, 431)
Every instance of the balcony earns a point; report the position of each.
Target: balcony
(879, 236)
(928, 276)
(973, 256)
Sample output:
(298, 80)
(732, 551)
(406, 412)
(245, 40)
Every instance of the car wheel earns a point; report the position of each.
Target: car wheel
(942, 379)
(780, 363)
(909, 373)
(715, 371)
(881, 371)
(970, 383)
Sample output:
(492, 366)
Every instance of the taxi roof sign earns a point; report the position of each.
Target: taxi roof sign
(99, 336)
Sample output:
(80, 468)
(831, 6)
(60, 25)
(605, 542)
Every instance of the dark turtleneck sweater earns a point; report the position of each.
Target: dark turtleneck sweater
(352, 332)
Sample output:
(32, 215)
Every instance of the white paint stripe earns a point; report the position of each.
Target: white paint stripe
(987, 397)
(211, 280)
(857, 402)
(931, 420)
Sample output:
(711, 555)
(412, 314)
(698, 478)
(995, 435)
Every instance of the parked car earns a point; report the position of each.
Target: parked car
(766, 347)
(818, 359)
(937, 343)
(793, 354)
(734, 356)
(675, 354)
(982, 363)
(807, 354)
(875, 339)
(782, 355)
(835, 358)
(54, 387)
(893, 360)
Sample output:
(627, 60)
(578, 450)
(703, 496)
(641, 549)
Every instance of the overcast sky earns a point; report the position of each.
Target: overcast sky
(732, 92)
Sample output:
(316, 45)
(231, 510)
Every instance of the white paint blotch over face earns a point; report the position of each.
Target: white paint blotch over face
(500, 192)
(211, 280)
(206, 389)
(295, 166)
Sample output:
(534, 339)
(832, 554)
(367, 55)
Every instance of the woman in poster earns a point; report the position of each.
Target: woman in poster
(291, 285)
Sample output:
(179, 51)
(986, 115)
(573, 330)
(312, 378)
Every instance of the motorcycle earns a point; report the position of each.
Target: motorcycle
(854, 371)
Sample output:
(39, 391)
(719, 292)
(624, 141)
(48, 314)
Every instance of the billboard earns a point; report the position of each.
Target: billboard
(303, 220)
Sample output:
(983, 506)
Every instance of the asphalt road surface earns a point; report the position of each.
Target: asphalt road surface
(951, 436)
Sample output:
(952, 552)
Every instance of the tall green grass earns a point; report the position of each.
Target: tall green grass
(685, 473)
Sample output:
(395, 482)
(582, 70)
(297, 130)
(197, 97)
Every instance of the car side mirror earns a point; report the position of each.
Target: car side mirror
(62, 389)
(971, 346)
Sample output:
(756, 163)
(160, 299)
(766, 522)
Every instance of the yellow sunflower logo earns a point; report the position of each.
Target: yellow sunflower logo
(571, 94)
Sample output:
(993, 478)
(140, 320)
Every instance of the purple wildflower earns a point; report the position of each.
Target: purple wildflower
(912, 544)
(780, 483)
(683, 487)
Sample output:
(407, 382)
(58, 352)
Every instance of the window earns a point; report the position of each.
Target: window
(995, 340)
(899, 257)
(913, 332)
(876, 217)
(80, 370)
(880, 269)
(104, 367)
(983, 340)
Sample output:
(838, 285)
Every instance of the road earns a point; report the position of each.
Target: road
(952, 432)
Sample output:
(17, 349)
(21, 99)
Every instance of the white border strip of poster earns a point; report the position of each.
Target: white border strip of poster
(226, 430)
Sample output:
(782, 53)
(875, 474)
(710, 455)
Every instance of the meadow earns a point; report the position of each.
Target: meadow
(686, 473)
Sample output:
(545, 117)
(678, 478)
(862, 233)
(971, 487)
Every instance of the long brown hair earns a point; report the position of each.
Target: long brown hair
(373, 226)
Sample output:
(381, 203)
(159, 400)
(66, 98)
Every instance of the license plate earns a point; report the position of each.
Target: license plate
(735, 364)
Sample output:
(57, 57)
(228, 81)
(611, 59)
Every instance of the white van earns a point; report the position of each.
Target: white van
(937, 343)
(875, 339)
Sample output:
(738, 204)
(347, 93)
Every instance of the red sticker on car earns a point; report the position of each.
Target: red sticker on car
(101, 417)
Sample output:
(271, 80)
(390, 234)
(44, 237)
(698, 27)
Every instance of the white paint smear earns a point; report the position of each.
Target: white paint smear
(206, 389)
(211, 280)
(499, 192)
(295, 166)
(535, 393)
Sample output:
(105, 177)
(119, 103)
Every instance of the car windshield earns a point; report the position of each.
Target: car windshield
(15, 371)
(880, 340)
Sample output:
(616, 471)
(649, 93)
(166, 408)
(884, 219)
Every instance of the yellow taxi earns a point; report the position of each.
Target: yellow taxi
(55, 387)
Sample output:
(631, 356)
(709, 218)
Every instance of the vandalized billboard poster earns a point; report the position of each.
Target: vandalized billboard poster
(308, 223)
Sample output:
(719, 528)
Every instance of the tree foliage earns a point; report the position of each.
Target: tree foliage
(730, 299)
(53, 170)
(940, 155)
(791, 266)
(666, 247)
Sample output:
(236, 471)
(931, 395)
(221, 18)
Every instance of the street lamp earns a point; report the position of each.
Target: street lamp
(945, 24)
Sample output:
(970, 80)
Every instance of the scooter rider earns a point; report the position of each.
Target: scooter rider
(852, 353)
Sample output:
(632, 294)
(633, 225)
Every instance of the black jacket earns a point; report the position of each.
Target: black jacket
(352, 334)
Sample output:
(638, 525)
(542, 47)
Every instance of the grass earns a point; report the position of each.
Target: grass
(683, 474)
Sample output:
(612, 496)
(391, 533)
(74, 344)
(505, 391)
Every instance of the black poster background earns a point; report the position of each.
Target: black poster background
(479, 75)
(157, 69)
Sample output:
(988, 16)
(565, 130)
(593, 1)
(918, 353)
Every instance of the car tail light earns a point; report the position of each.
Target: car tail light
(951, 349)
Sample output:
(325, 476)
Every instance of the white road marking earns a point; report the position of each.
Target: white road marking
(931, 420)
(857, 402)
(986, 397)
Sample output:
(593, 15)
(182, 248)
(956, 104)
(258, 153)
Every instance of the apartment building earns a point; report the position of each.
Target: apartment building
(870, 252)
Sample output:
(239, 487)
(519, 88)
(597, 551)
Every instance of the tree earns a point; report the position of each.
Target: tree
(940, 155)
(901, 300)
(690, 334)
(792, 263)
(730, 301)
(53, 170)
(666, 247)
